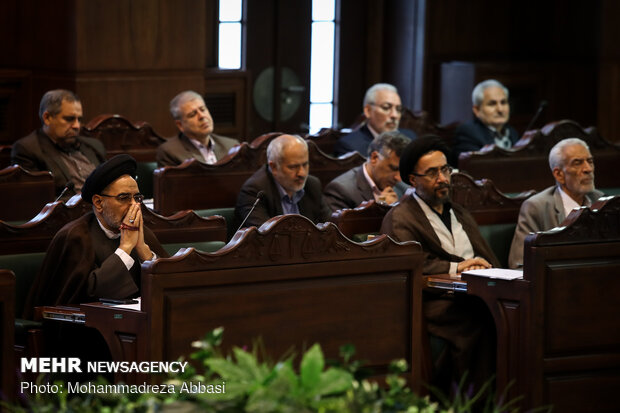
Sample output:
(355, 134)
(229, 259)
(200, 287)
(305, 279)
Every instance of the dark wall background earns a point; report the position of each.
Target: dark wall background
(131, 57)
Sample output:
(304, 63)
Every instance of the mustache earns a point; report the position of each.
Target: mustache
(442, 186)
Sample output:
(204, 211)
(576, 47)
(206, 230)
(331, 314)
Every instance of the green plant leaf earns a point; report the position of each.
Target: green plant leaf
(228, 370)
(334, 381)
(248, 362)
(312, 365)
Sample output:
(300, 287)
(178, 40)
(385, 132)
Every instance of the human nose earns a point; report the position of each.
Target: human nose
(75, 124)
(443, 176)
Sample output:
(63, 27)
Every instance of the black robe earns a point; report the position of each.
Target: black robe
(80, 266)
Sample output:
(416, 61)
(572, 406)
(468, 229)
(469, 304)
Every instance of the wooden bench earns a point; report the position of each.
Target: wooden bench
(24, 193)
(119, 135)
(558, 326)
(526, 165)
(289, 282)
(421, 123)
(495, 213)
(195, 185)
(36, 234)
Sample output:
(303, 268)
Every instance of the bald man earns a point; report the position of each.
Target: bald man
(285, 186)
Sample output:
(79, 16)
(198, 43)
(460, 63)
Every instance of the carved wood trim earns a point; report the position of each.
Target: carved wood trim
(599, 223)
(284, 239)
(119, 135)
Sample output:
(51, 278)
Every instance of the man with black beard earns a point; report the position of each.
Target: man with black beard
(452, 242)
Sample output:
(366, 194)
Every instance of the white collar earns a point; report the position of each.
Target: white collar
(569, 203)
(107, 232)
(373, 186)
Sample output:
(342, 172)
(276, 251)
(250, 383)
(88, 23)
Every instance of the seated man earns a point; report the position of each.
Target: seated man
(99, 254)
(57, 146)
(492, 111)
(572, 167)
(378, 178)
(196, 138)
(284, 186)
(382, 109)
(452, 242)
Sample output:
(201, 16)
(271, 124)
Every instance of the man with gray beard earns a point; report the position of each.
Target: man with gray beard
(99, 254)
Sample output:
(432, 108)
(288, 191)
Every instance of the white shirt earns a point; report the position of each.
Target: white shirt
(455, 242)
(376, 192)
(569, 203)
(205, 150)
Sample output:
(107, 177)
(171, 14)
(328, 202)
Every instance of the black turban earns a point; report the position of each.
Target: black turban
(417, 149)
(106, 173)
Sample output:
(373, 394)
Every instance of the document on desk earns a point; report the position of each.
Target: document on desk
(497, 273)
(136, 306)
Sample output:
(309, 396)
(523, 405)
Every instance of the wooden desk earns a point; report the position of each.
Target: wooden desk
(508, 302)
(123, 330)
(291, 283)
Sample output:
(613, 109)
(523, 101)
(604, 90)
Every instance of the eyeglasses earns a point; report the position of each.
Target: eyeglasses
(433, 173)
(125, 198)
(387, 107)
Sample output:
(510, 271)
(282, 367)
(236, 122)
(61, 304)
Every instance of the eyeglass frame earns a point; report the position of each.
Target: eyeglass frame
(124, 201)
(387, 107)
(446, 170)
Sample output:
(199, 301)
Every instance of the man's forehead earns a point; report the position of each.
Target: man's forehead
(494, 92)
(576, 151)
(387, 96)
(68, 107)
(434, 159)
(192, 104)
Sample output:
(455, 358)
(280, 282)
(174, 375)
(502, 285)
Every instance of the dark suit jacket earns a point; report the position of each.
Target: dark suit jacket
(407, 222)
(473, 135)
(311, 206)
(351, 189)
(179, 148)
(359, 140)
(37, 152)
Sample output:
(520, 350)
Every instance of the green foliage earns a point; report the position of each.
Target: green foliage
(254, 384)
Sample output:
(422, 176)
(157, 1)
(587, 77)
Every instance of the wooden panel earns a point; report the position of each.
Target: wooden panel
(174, 185)
(17, 109)
(140, 35)
(30, 190)
(138, 96)
(35, 235)
(530, 157)
(280, 274)
(587, 392)
(233, 86)
(578, 292)
(575, 359)
(7, 335)
(119, 136)
(321, 311)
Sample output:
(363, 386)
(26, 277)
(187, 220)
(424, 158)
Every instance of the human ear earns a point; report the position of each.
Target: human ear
(98, 203)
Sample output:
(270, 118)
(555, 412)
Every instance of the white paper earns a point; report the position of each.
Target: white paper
(136, 307)
(499, 273)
